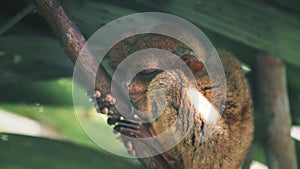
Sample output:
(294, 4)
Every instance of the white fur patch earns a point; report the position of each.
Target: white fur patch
(203, 106)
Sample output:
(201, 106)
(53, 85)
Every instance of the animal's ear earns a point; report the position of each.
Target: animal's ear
(192, 62)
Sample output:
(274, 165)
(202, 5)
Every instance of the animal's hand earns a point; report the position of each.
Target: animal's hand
(102, 103)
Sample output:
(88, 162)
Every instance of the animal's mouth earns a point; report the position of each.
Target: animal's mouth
(136, 95)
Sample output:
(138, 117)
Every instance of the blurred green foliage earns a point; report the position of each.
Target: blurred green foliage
(23, 152)
(50, 103)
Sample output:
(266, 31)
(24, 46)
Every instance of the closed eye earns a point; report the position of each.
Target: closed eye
(149, 73)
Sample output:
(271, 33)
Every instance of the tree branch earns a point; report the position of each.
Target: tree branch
(274, 103)
(72, 42)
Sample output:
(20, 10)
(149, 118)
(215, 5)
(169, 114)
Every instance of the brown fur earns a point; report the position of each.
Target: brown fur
(228, 141)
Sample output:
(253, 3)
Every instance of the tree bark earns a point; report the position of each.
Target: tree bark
(73, 42)
(274, 104)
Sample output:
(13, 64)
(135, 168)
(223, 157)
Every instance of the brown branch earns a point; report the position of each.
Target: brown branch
(274, 103)
(72, 42)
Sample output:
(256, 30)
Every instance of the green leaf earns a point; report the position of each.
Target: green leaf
(23, 152)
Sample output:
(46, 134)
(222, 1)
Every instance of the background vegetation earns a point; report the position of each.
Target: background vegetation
(35, 78)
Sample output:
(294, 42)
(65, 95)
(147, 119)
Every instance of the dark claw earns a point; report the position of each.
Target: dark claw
(119, 124)
(131, 121)
(125, 131)
(129, 127)
(126, 125)
(114, 119)
(128, 131)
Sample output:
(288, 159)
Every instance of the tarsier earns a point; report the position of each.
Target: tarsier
(224, 145)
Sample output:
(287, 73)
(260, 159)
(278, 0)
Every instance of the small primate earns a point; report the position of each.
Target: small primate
(215, 139)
